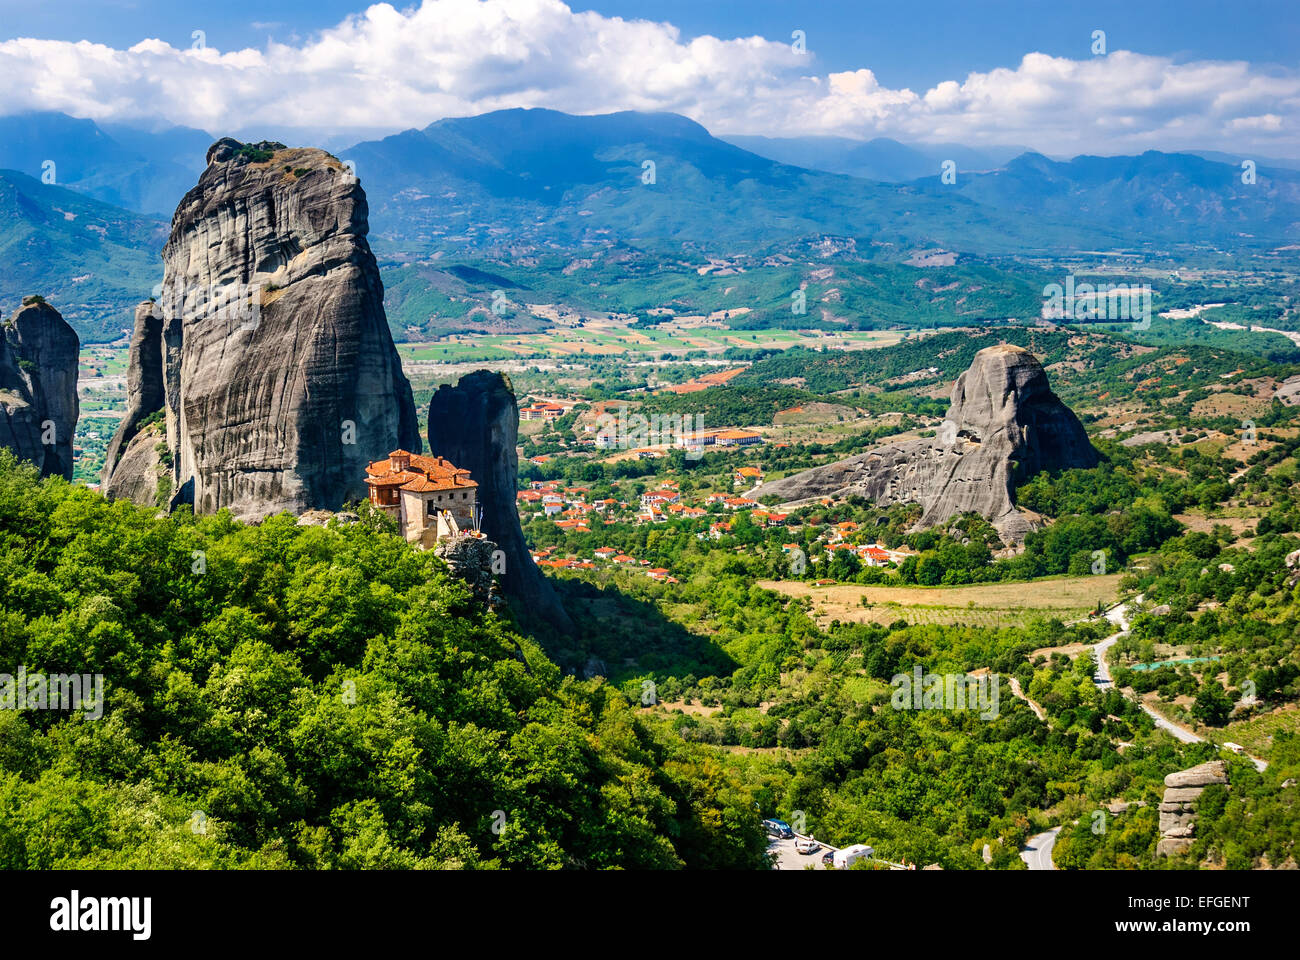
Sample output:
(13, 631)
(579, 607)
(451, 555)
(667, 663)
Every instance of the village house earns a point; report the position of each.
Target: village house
(541, 411)
(747, 477)
(429, 497)
(657, 498)
(874, 556)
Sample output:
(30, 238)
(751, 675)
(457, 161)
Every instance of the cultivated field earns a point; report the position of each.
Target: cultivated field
(986, 604)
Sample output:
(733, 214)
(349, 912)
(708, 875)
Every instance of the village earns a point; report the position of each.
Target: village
(574, 509)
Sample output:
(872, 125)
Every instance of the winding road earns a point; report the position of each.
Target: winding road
(1118, 615)
(1038, 850)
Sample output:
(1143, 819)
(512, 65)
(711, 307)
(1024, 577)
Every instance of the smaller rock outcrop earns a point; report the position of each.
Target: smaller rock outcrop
(471, 558)
(1178, 807)
(1004, 425)
(475, 425)
(38, 387)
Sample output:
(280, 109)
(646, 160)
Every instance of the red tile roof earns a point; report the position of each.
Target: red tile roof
(423, 475)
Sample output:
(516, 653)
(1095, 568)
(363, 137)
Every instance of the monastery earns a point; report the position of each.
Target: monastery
(430, 497)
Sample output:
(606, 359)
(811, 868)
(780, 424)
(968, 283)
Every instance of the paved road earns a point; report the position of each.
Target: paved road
(1038, 851)
(788, 858)
(1118, 615)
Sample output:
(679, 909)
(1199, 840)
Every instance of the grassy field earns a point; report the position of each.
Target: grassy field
(610, 339)
(1256, 734)
(985, 604)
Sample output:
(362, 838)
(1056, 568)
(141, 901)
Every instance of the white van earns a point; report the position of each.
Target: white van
(847, 857)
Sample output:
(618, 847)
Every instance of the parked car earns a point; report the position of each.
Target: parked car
(828, 857)
(803, 845)
(778, 828)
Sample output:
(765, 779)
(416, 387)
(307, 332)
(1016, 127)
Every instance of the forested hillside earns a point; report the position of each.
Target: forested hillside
(293, 696)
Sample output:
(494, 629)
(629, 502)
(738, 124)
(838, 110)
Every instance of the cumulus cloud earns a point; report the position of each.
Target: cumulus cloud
(390, 69)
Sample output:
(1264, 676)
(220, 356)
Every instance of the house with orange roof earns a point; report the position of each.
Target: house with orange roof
(874, 556)
(541, 411)
(429, 497)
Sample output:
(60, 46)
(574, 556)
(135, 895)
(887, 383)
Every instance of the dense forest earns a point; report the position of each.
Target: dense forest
(296, 696)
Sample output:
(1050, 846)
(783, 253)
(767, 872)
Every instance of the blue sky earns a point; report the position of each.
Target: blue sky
(912, 44)
(1203, 73)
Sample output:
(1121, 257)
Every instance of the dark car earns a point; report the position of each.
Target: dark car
(778, 828)
(828, 857)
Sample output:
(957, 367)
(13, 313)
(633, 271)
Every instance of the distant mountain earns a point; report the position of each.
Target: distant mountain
(531, 180)
(185, 147)
(1235, 160)
(90, 260)
(879, 159)
(139, 170)
(1169, 197)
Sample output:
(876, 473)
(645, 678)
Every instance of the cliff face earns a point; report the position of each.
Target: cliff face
(38, 387)
(267, 350)
(1004, 424)
(475, 425)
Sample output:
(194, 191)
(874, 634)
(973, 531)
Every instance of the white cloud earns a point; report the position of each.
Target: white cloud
(386, 68)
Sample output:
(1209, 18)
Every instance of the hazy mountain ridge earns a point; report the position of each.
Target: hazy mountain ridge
(92, 259)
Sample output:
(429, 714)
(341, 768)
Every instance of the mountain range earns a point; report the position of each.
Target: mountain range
(521, 185)
(91, 259)
(880, 159)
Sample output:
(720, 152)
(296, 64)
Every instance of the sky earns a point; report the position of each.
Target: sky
(1190, 74)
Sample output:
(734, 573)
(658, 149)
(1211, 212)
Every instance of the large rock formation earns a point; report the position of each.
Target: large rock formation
(475, 425)
(1004, 425)
(38, 387)
(1178, 806)
(263, 376)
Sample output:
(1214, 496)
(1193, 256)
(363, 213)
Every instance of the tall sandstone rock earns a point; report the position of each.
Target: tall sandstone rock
(1004, 425)
(475, 425)
(38, 387)
(263, 376)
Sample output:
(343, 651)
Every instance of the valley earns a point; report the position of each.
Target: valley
(753, 447)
